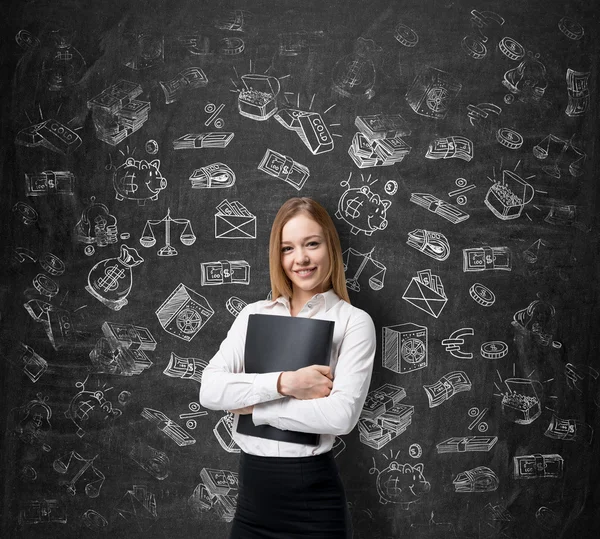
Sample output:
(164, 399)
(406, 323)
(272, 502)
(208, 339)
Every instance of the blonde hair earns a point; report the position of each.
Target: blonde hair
(280, 284)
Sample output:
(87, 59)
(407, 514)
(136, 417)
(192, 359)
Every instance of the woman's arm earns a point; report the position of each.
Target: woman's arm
(337, 413)
(225, 386)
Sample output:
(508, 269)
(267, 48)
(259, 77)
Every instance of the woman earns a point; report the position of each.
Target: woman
(290, 490)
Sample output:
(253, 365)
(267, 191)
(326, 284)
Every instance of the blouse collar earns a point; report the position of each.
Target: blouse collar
(330, 298)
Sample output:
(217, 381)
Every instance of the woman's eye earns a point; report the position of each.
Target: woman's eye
(285, 249)
(313, 244)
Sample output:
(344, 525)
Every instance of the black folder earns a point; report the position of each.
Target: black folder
(284, 343)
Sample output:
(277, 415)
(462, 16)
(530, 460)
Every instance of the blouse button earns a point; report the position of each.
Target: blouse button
(309, 305)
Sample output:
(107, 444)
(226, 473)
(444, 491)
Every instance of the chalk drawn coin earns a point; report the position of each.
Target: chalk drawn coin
(572, 29)
(415, 451)
(494, 349)
(125, 236)
(231, 46)
(509, 98)
(482, 295)
(45, 286)
(89, 250)
(556, 344)
(151, 147)
(52, 264)
(27, 214)
(94, 520)
(124, 397)
(391, 187)
(405, 35)
(511, 48)
(235, 305)
(473, 47)
(509, 138)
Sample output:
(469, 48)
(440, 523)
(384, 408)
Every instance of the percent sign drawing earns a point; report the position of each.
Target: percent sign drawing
(478, 416)
(461, 199)
(214, 111)
(196, 412)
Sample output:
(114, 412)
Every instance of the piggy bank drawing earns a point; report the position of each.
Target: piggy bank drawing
(402, 484)
(363, 210)
(138, 180)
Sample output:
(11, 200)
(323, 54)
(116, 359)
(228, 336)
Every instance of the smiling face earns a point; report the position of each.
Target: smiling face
(305, 257)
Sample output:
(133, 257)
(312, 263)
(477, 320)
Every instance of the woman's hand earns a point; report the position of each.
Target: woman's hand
(243, 411)
(312, 382)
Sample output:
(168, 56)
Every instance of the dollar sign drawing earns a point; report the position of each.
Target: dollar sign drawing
(353, 74)
(110, 281)
(392, 486)
(129, 186)
(353, 208)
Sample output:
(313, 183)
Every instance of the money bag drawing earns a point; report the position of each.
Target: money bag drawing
(110, 280)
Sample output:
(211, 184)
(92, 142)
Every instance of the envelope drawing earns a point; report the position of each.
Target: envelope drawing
(424, 298)
(235, 227)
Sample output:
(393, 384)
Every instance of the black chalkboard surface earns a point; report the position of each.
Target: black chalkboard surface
(146, 148)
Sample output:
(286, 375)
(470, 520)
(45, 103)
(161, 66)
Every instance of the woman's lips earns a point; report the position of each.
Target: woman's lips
(305, 272)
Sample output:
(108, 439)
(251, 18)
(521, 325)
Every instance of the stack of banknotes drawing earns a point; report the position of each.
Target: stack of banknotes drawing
(117, 113)
(383, 417)
(221, 492)
(378, 141)
(446, 387)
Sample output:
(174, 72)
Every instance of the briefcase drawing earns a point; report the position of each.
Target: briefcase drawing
(235, 227)
(425, 298)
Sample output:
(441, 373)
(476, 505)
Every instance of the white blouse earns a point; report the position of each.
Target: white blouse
(225, 386)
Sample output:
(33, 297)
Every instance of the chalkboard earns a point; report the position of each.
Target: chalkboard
(146, 149)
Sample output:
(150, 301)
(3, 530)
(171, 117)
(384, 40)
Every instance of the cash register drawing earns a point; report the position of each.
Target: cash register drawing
(187, 236)
(110, 280)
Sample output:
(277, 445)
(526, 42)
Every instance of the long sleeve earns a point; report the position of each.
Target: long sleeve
(339, 412)
(225, 386)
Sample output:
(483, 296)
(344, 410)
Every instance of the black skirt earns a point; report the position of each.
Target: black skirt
(289, 498)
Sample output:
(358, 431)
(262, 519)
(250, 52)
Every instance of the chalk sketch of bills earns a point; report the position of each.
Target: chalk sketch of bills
(538, 466)
(570, 430)
(426, 292)
(440, 207)
(487, 258)
(433, 244)
(480, 479)
(447, 386)
(168, 426)
(461, 444)
(449, 147)
(196, 141)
